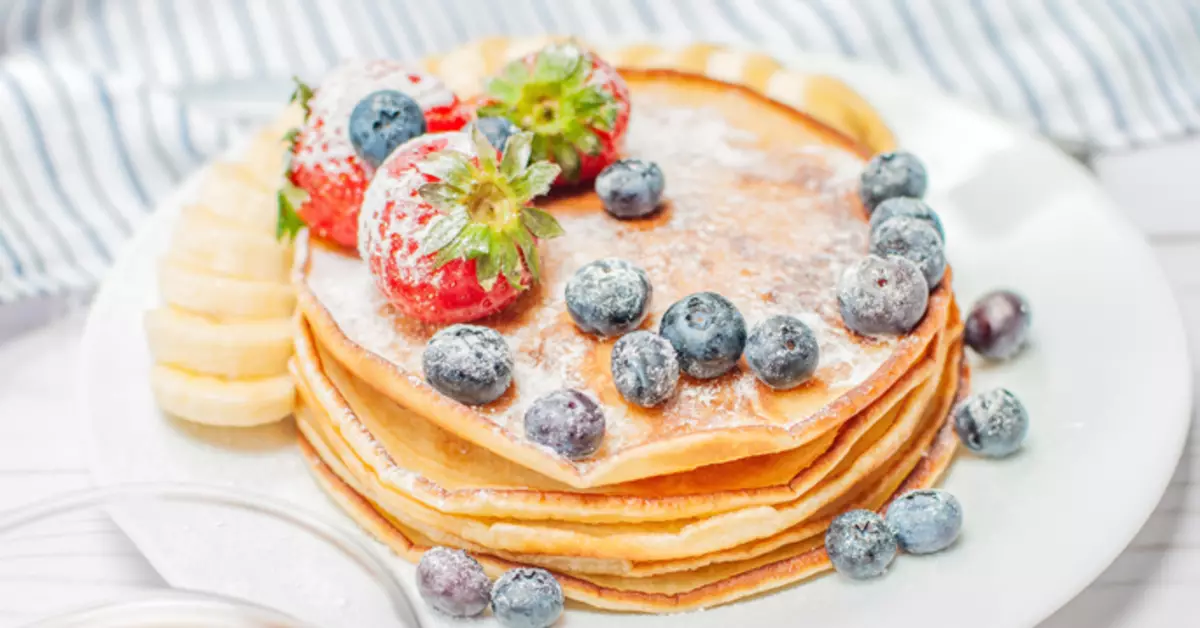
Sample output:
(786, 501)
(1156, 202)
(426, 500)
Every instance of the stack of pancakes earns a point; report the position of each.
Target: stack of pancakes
(724, 491)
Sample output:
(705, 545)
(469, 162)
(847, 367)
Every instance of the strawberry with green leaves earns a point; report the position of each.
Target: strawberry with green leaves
(327, 170)
(446, 227)
(573, 101)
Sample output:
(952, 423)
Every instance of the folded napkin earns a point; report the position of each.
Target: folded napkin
(100, 115)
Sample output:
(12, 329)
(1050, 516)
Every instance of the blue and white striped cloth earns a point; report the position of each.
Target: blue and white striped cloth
(96, 123)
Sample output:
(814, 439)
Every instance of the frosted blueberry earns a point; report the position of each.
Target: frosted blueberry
(998, 325)
(782, 351)
(992, 423)
(914, 240)
(608, 297)
(453, 583)
(905, 206)
(567, 421)
(645, 368)
(382, 121)
(468, 363)
(889, 175)
(527, 598)
(860, 545)
(497, 130)
(630, 188)
(882, 296)
(925, 521)
(707, 331)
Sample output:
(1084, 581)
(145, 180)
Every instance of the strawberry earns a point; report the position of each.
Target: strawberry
(325, 177)
(573, 101)
(445, 227)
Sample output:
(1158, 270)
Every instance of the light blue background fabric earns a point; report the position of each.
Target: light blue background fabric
(99, 120)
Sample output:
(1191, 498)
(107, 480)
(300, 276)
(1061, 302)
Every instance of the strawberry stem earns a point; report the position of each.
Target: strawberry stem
(289, 197)
(484, 216)
(302, 95)
(555, 101)
(288, 222)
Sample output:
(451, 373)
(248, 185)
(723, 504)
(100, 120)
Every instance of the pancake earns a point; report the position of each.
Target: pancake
(761, 206)
(830, 495)
(825, 98)
(415, 457)
(843, 484)
(723, 492)
(705, 587)
(655, 540)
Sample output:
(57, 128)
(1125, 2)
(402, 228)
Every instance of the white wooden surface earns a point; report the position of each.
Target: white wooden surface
(43, 445)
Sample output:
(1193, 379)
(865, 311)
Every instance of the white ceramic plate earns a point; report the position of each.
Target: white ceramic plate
(1107, 382)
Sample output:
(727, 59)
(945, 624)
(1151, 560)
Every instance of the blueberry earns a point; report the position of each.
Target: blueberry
(882, 296)
(452, 582)
(567, 421)
(998, 325)
(925, 521)
(468, 363)
(527, 598)
(782, 351)
(992, 423)
(915, 240)
(860, 545)
(889, 175)
(608, 297)
(911, 207)
(630, 188)
(497, 130)
(645, 368)
(382, 121)
(707, 331)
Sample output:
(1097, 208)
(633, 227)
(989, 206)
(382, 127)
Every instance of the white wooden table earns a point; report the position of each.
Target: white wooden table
(43, 445)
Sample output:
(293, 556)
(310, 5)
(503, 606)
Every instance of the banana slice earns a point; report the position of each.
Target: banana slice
(229, 348)
(190, 289)
(204, 242)
(237, 195)
(291, 117)
(222, 402)
(264, 157)
(826, 98)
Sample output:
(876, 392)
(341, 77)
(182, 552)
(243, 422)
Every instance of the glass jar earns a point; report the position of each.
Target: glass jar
(342, 555)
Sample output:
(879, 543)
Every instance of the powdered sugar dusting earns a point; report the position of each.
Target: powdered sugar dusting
(771, 229)
(453, 582)
(347, 289)
(470, 363)
(376, 234)
(341, 89)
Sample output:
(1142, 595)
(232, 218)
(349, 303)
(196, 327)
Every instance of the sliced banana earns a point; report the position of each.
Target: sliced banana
(222, 402)
(236, 195)
(223, 338)
(193, 290)
(264, 157)
(206, 243)
(824, 97)
(228, 348)
(291, 117)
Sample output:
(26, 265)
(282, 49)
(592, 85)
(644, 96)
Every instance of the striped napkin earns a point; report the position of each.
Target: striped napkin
(100, 115)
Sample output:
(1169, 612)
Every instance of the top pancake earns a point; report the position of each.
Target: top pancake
(761, 206)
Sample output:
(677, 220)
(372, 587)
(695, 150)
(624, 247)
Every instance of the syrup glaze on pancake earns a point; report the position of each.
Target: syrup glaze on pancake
(761, 206)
